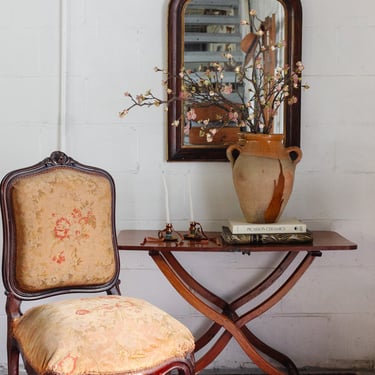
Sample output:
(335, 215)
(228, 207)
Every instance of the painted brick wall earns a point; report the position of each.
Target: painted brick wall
(328, 319)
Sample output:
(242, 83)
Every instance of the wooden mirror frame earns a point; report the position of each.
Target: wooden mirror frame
(292, 114)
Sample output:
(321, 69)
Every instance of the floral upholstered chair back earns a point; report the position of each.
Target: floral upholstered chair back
(64, 233)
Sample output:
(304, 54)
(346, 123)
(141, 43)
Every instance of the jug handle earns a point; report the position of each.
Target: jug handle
(233, 152)
(295, 154)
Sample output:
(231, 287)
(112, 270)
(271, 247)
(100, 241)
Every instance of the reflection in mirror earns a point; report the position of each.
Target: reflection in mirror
(202, 32)
(219, 32)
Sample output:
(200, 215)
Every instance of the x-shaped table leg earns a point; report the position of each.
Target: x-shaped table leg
(234, 325)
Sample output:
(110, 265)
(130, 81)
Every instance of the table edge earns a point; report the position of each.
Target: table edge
(325, 241)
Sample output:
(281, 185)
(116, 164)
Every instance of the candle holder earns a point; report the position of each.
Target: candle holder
(195, 232)
(168, 233)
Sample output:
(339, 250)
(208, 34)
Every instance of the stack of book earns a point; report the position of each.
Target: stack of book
(284, 231)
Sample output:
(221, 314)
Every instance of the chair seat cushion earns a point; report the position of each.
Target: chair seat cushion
(100, 335)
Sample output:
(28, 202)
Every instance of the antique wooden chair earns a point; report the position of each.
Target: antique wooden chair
(59, 237)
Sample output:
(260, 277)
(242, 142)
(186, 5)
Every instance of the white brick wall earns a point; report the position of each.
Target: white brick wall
(328, 319)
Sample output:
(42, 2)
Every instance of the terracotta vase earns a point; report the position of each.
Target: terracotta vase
(263, 175)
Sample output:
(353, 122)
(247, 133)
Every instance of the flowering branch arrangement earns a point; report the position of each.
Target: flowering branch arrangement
(251, 101)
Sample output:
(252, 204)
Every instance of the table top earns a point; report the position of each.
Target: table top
(147, 240)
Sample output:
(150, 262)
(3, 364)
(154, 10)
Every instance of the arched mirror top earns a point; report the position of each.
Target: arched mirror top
(201, 32)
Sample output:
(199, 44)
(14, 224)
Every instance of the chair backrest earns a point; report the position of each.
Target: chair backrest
(59, 229)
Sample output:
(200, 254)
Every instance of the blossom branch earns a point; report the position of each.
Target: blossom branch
(252, 100)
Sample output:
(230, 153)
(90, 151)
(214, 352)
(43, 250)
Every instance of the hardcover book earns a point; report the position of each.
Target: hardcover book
(283, 226)
(276, 238)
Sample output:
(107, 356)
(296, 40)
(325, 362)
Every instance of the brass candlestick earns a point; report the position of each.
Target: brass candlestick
(168, 233)
(195, 232)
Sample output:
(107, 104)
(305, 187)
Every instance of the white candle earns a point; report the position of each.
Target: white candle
(190, 200)
(166, 199)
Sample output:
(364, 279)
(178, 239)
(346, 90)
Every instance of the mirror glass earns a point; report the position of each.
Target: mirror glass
(202, 32)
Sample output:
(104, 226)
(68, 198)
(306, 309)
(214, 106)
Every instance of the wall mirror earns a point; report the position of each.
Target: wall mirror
(203, 31)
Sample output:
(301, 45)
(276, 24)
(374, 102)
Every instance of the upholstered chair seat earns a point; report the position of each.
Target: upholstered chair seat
(60, 238)
(100, 335)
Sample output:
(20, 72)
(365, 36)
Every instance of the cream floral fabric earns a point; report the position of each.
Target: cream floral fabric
(123, 335)
(64, 233)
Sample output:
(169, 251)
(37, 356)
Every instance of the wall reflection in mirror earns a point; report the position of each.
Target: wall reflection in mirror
(223, 32)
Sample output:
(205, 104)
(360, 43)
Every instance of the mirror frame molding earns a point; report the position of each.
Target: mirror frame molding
(292, 114)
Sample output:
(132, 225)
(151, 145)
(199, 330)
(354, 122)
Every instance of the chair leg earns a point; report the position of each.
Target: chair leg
(13, 358)
(13, 311)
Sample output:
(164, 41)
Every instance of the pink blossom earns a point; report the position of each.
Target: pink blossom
(184, 95)
(233, 116)
(210, 135)
(227, 89)
(123, 113)
(300, 66)
(191, 115)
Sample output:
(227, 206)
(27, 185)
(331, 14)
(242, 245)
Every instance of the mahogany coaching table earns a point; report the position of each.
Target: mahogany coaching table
(223, 313)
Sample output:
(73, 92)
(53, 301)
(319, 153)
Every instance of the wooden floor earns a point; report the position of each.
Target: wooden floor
(3, 371)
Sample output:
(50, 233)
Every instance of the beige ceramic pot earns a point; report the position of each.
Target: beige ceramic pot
(263, 175)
